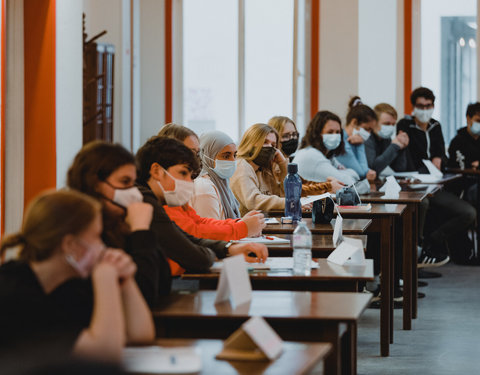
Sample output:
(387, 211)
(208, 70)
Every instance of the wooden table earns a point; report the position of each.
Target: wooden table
(322, 245)
(296, 358)
(349, 227)
(447, 177)
(296, 316)
(328, 277)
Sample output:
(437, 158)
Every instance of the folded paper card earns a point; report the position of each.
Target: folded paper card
(272, 240)
(434, 171)
(255, 340)
(271, 220)
(158, 360)
(338, 229)
(349, 252)
(391, 188)
(234, 283)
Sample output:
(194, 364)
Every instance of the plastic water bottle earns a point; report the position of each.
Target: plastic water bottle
(293, 193)
(302, 250)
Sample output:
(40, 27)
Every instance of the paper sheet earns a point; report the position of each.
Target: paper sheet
(434, 171)
(273, 263)
(313, 198)
(268, 240)
(271, 220)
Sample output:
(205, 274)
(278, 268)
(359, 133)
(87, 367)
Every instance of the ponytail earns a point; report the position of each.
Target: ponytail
(12, 240)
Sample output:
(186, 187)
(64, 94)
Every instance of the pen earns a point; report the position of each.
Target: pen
(269, 238)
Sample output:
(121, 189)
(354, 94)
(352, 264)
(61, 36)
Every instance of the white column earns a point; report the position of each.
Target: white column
(69, 84)
(15, 121)
(338, 54)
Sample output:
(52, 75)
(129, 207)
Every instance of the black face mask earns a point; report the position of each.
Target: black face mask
(265, 157)
(290, 146)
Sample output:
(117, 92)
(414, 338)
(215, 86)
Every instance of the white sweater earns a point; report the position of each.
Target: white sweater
(314, 166)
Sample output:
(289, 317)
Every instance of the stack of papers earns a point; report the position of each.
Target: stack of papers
(270, 264)
(158, 360)
(267, 240)
(359, 208)
(271, 220)
(313, 198)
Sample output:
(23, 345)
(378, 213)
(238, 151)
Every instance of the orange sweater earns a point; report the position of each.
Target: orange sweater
(203, 227)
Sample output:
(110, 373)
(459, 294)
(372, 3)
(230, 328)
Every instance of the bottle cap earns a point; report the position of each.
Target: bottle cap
(292, 168)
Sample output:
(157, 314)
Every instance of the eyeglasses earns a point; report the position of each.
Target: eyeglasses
(424, 106)
(288, 136)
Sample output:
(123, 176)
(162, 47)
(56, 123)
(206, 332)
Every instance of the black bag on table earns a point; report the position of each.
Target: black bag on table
(322, 211)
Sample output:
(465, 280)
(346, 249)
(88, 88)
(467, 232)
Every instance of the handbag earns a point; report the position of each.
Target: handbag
(322, 211)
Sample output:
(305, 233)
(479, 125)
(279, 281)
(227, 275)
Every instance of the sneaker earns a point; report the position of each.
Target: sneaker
(431, 260)
(378, 304)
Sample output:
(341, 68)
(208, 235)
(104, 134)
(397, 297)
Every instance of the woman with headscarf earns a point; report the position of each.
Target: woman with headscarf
(217, 216)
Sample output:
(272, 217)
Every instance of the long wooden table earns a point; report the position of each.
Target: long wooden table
(296, 316)
(350, 226)
(327, 277)
(296, 358)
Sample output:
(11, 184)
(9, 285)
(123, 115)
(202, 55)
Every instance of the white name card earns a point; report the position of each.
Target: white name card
(391, 188)
(338, 229)
(254, 340)
(434, 171)
(234, 283)
(348, 253)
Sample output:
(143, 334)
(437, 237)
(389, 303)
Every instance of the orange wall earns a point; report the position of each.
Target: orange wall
(314, 63)
(2, 113)
(407, 54)
(40, 145)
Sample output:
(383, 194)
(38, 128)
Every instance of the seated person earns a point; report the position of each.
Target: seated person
(287, 130)
(383, 151)
(165, 167)
(67, 289)
(323, 141)
(212, 193)
(107, 172)
(464, 150)
(361, 120)
(183, 134)
(426, 142)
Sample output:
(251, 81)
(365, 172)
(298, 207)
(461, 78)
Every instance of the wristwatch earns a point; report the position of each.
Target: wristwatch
(226, 248)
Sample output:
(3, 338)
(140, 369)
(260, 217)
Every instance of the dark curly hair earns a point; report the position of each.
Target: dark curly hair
(421, 92)
(313, 135)
(165, 151)
(359, 111)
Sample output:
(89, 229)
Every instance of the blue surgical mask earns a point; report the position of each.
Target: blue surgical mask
(362, 133)
(331, 141)
(423, 115)
(475, 128)
(223, 168)
(386, 131)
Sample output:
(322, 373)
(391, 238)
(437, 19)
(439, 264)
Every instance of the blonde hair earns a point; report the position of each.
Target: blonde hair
(279, 122)
(253, 140)
(385, 108)
(48, 219)
(176, 131)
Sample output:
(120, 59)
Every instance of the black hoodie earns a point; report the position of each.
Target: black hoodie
(467, 146)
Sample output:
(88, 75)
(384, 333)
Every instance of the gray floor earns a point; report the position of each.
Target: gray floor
(445, 338)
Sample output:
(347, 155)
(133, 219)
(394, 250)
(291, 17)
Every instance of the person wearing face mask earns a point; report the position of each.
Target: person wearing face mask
(212, 194)
(261, 168)
(464, 150)
(67, 289)
(322, 144)
(287, 130)
(165, 166)
(107, 172)
(361, 120)
(386, 152)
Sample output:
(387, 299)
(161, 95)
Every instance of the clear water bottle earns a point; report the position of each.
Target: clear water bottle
(302, 250)
(293, 193)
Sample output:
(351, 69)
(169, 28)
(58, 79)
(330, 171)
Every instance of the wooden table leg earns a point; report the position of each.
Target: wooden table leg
(414, 261)
(392, 274)
(407, 267)
(349, 350)
(385, 255)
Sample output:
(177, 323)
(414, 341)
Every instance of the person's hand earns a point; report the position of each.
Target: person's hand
(255, 222)
(336, 184)
(355, 139)
(121, 261)
(371, 175)
(437, 162)
(475, 164)
(139, 216)
(260, 250)
(279, 158)
(401, 140)
(307, 207)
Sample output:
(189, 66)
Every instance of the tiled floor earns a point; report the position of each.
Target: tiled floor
(445, 338)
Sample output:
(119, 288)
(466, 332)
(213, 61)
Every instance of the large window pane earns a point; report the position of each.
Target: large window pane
(449, 63)
(268, 59)
(210, 65)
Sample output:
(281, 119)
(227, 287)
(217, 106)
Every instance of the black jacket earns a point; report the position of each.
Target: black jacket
(423, 144)
(382, 153)
(467, 146)
(192, 253)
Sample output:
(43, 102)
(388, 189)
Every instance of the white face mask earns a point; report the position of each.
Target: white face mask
(386, 131)
(180, 195)
(331, 141)
(475, 128)
(85, 265)
(125, 197)
(224, 168)
(362, 133)
(423, 115)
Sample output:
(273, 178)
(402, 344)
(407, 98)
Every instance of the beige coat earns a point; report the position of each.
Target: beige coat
(260, 190)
